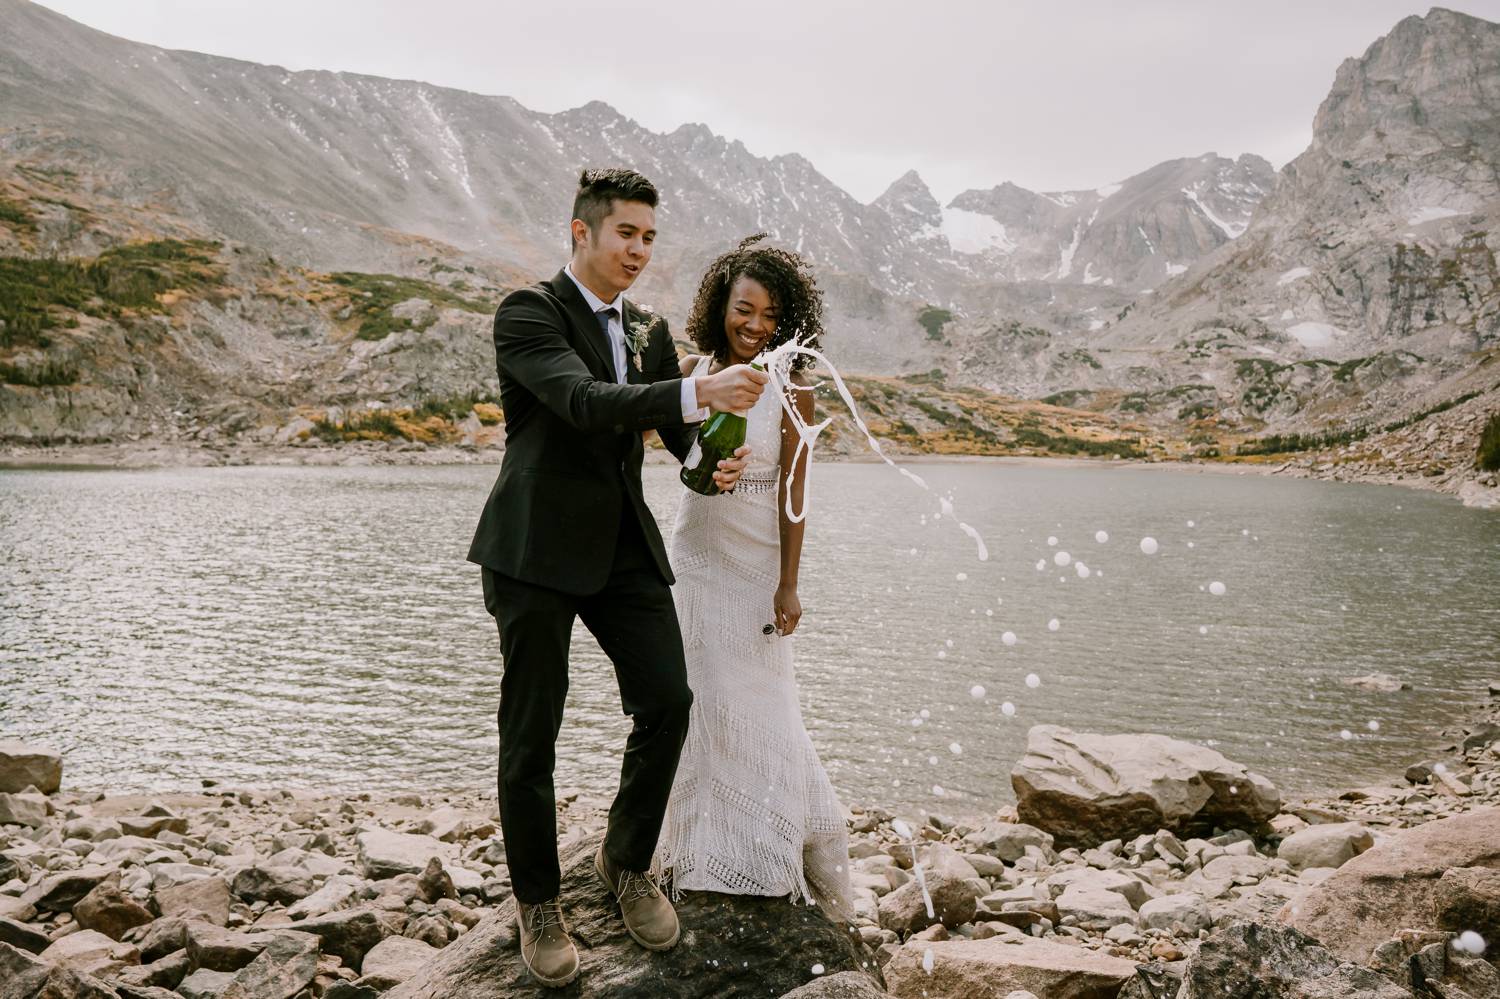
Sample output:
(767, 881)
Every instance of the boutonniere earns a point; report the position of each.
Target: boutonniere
(638, 334)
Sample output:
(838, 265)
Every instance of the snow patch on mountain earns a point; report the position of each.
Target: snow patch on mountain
(975, 232)
(1295, 274)
(1230, 229)
(1431, 213)
(1314, 336)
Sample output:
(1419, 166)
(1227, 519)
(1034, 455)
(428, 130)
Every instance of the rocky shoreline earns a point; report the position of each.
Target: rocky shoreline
(1158, 862)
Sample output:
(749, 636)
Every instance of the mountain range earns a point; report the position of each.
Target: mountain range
(1204, 278)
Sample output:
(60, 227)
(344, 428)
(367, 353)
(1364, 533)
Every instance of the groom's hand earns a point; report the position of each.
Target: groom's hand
(730, 469)
(732, 390)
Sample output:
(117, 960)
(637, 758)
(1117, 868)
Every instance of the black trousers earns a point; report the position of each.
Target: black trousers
(635, 623)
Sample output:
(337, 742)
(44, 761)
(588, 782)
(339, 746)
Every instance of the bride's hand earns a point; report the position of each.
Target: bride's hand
(788, 609)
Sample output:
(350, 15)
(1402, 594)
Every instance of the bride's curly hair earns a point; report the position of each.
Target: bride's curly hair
(794, 291)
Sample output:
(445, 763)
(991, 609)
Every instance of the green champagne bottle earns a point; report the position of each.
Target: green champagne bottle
(719, 437)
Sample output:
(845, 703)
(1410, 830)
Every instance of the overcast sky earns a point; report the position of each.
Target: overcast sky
(1049, 95)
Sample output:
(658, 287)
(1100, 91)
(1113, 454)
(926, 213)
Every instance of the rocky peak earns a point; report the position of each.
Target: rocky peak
(1433, 81)
(910, 200)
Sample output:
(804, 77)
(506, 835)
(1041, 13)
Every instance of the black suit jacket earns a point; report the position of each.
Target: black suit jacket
(573, 450)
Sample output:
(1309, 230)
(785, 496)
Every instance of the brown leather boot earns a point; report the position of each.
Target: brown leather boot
(546, 948)
(649, 917)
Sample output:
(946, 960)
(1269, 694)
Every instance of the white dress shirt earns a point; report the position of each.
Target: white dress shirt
(691, 413)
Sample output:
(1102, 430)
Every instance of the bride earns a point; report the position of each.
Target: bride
(752, 811)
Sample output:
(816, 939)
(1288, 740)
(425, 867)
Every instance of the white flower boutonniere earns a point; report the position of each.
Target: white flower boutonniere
(638, 334)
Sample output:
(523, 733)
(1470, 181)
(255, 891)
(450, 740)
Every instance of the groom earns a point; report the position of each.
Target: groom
(566, 535)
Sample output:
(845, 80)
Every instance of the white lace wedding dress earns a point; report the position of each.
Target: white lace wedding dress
(752, 811)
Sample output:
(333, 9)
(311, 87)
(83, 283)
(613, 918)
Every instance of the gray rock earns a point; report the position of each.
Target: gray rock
(90, 952)
(350, 934)
(281, 885)
(1325, 845)
(60, 892)
(396, 959)
(163, 937)
(904, 910)
(337, 893)
(942, 861)
(1132, 889)
(1185, 909)
(1247, 959)
(166, 972)
(1382, 683)
(1393, 886)
(282, 970)
(95, 830)
(23, 976)
(168, 875)
(205, 984)
(206, 898)
(23, 935)
(109, 910)
(430, 929)
(148, 826)
(1085, 789)
(1468, 898)
(1008, 841)
(996, 967)
(384, 854)
(435, 882)
(219, 949)
(1481, 737)
(23, 766)
(1094, 908)
(844, 985)
(23, 810)
(133, 990)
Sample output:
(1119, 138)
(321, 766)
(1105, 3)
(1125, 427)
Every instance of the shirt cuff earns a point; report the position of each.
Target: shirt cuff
(691, 413)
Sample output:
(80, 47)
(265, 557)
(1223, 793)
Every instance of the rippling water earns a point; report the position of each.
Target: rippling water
(320, 627)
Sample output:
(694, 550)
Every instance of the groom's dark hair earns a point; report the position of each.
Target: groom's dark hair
(598, 190)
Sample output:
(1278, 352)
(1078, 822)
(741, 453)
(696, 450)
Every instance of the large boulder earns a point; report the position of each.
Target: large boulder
(24, 975)
(844, 985)
(995, 967)
(954, 903)
(1085, 789)
(1329, 845)
(1394, 885)
(23, 766)
(23, 810)
(201, 898)
(282, 970)
(395, 960)
(1185, 909)
(1468, 898)
(109, 910)
(350, 934)
(90, 952)
(286, 885)
(60, 892)
(1243, 960)
(731, 944)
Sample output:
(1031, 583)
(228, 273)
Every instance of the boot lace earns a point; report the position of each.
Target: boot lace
(540, 918)
(635, 887)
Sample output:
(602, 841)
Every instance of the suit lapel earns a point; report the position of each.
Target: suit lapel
(588, 326)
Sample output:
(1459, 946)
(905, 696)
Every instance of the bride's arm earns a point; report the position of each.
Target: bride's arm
(788, 607)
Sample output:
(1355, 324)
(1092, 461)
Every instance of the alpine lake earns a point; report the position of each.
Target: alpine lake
(319, 627)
